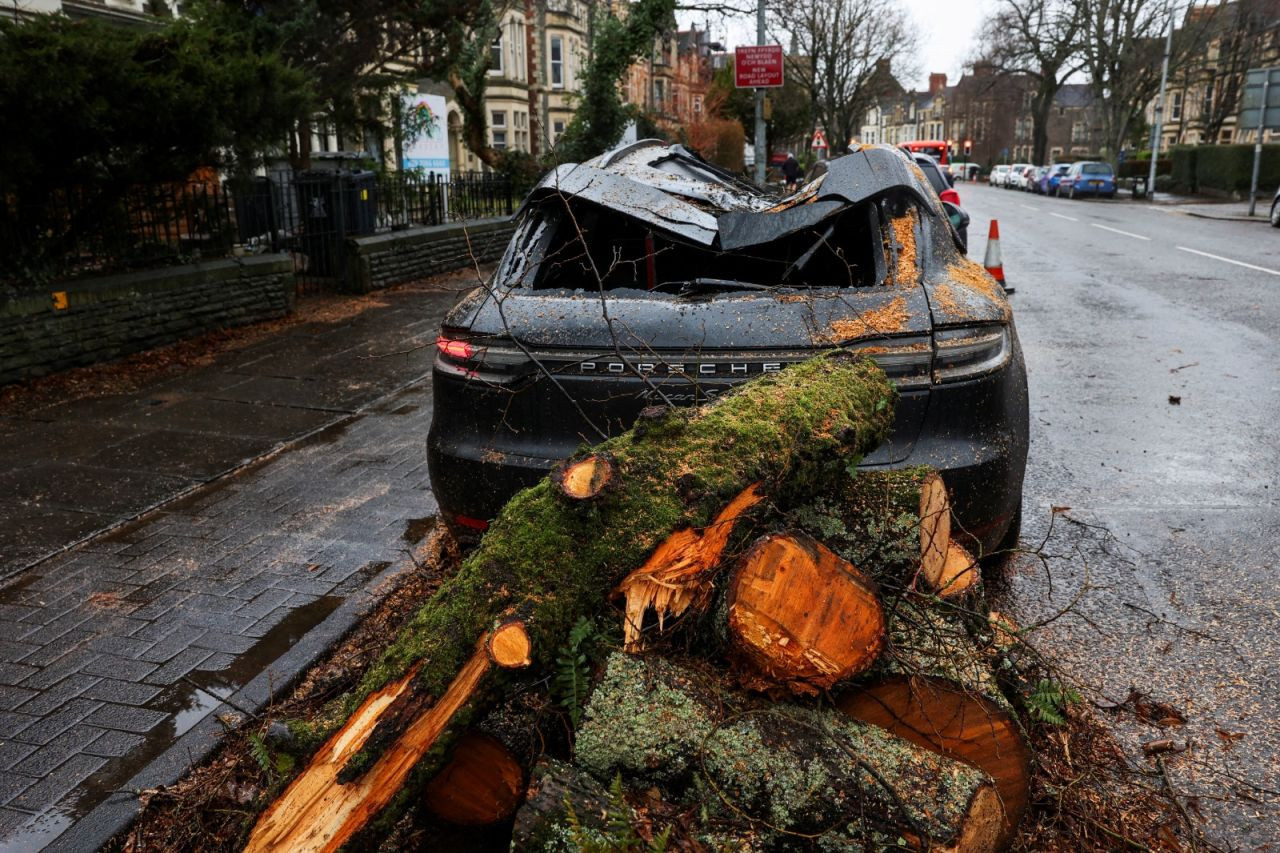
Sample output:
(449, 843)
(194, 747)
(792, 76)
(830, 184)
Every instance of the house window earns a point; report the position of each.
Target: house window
(697, 104)
(1175, 108)
(557, 128)
(659, 92)
(1079, 132)
(1206, 108)
(498, 123)
(557, 62)
(495, 55)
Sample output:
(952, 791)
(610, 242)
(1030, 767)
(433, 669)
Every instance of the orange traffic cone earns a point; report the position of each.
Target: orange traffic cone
(992, 260)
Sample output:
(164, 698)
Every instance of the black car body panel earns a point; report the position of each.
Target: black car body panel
(611, 298)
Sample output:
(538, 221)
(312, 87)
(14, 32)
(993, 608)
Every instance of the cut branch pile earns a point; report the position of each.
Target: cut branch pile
(736, 574)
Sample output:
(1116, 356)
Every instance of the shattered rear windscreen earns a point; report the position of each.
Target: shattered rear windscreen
(575, 245)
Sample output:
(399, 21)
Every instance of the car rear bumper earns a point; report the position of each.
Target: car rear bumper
(974, 432)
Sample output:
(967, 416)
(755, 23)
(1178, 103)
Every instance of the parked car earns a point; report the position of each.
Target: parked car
(708, 282)
(1037, 178)
(942, 185)
(1030, 178)
(1049, 181)
(1015, 176)
(1088, 177)
(998, 174)
(1275, 209)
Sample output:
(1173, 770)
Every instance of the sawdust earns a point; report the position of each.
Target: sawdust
(885, 320)
(945, 300)
(970, 274)
(904, 234)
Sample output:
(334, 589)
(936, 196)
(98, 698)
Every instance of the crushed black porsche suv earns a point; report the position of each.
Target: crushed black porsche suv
(647, 276)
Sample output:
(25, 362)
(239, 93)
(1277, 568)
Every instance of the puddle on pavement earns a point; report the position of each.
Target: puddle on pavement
(417, 529)
(188, 702)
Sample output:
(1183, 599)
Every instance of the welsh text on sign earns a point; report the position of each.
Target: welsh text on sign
(758, 67)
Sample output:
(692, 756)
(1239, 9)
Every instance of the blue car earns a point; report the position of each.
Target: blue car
(1049, 181)
(1087, 177)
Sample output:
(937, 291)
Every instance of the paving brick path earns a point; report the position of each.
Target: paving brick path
(112, 650)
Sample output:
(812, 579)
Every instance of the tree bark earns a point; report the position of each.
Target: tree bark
(554, 789)
(791, 769)
(551, 565)
(799, 617)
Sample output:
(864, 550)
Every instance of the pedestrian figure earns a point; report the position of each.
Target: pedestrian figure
(792, 172)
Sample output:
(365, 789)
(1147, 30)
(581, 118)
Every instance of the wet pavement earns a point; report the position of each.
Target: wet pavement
(1153, 352)
(112, 649)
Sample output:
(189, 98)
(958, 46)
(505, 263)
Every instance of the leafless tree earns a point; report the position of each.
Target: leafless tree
(1123, 42)
(1245, 32)
(840, 45)
(1039, 39)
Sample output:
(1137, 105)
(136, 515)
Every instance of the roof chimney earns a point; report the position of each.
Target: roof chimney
(937, 82)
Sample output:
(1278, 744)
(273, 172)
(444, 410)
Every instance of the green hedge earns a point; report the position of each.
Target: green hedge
(1184, 167)
(1225, 168)
(1142, 168)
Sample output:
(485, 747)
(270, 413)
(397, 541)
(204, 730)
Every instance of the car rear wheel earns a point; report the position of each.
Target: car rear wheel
(1071, 193)
(1275, 213)
(1008, 543)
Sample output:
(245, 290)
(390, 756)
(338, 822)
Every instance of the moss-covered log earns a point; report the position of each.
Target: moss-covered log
(557, 790)
(799, 617)
(933, 687)
(793, 769)
(896, 524)
(550, 563)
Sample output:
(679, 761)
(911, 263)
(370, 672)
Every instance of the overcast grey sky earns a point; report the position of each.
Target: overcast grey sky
(947, 33)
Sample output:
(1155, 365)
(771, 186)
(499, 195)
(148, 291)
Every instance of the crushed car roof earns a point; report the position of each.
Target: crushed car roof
(671, 188)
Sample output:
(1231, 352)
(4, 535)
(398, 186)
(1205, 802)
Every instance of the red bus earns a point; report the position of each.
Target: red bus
(935, 148)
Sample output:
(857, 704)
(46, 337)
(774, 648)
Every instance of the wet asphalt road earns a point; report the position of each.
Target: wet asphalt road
(1121, 308)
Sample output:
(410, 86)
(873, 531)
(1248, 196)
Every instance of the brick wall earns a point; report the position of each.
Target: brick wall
(110, 317)
(386, 259)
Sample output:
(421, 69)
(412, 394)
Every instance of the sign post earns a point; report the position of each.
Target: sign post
(1260, 108)
(758, 68)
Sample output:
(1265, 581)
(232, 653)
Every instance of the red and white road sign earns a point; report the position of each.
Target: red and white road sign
(819, 140)
(757, 67)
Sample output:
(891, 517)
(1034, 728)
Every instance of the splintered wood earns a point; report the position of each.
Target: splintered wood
(316, 812)
(801, 617)
(675, 575)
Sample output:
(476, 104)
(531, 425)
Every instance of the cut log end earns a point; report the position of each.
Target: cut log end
(946, 719)
(510, 646)
(935, 528)
(984, 826)
(482, 784)
(960, 572)
(586, 478)
(800, 616)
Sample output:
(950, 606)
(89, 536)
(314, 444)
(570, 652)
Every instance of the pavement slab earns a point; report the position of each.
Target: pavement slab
(119, 635)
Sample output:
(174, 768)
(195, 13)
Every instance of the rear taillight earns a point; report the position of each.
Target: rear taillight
(969, 352)
(480, 357)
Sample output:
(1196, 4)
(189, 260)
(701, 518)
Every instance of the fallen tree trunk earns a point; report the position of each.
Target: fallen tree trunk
(800, 617)
(547, 564)
(934, 689)
(897, 522)
(792, 769)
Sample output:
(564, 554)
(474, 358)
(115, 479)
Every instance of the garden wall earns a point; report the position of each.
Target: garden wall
(93, 320)
(399, 256)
